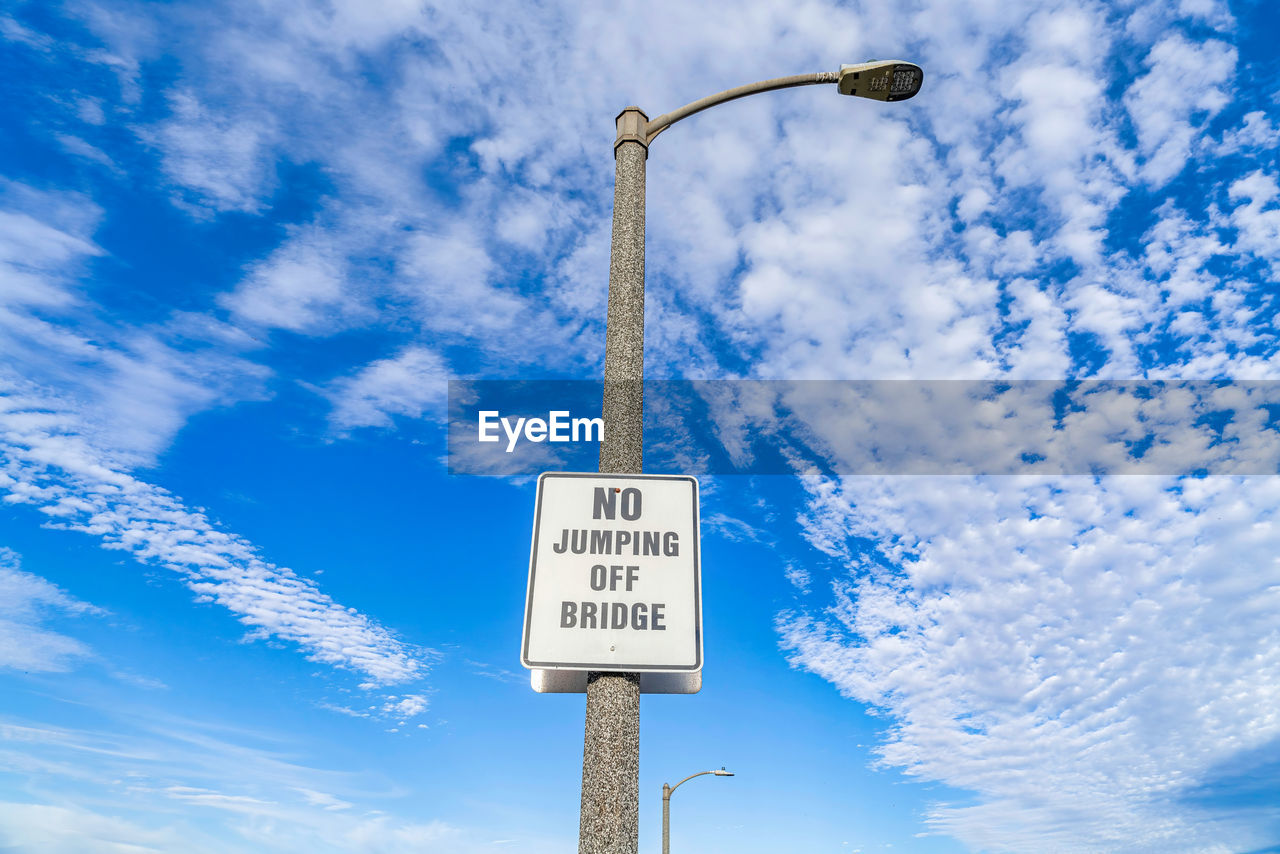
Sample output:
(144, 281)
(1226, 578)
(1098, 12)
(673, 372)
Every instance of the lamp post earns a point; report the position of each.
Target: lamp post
(666, 804)
(611, 743)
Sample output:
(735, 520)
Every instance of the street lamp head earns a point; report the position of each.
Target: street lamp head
(722, 772)
(883, 80)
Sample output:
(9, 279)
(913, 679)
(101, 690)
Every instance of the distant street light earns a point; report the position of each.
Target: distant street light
(610, 815)
(666, 804)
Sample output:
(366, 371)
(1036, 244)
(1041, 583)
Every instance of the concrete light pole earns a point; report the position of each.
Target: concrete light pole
(666, 804)
(611, 745)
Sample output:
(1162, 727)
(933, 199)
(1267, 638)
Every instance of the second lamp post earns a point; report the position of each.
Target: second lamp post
(666, 804)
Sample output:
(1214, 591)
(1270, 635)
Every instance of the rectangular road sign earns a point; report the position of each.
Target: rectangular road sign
(614, 574)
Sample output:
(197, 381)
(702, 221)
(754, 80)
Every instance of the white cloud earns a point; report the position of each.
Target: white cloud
(1255, 133)
(1150, 21)
(451, 276)
(27, 828)
(132, 388)
(1103, 309)
(408, 385)
(49, 465)
(1065, 150)
(1040, 350)
(1257, 220)
(219, 161)
(1080, 654)
(44, 240)
(405, 707)
(1176, 252)
(25, 601)
(77, 146)
(16, 32)
(90, 111)
(800, 577)
(1184, 79)
(176, 785)
(302, 287)
(324, 800)
(349, 24)
(253, 825)
(1047, 129)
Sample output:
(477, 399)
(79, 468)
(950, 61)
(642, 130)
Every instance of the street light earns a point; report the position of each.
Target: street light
(891, 80)
(666, 804)
(610, 817)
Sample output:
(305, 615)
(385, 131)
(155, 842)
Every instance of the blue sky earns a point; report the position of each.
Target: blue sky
(244, 246)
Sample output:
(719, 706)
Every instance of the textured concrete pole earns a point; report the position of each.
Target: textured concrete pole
(620, 452)
(666, 819)
(610, 822)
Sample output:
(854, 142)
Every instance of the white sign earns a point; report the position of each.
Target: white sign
(614, 579)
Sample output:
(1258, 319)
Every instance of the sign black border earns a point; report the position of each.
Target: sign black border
(697, 582)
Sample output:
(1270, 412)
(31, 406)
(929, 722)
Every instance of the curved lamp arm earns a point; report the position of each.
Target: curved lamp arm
(666, 120)
(685, 780)
(881, 80)
(667, 790)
